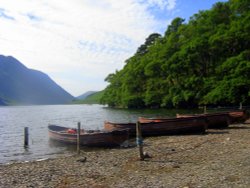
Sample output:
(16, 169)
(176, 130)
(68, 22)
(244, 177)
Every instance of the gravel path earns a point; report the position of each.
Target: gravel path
(220, 158)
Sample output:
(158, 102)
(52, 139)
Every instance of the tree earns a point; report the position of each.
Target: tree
(204, 61)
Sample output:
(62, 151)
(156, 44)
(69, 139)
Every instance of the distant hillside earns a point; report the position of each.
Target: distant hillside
(2, 102)
(20, 85)
(94, 98)
(86, 94)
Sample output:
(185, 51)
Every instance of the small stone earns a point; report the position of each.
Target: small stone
(146, 155)
(82, 160)
(176, 166)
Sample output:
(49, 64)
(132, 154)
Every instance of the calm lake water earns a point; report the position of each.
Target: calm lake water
(13, 120)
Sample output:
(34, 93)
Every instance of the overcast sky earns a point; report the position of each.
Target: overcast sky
(79, 42)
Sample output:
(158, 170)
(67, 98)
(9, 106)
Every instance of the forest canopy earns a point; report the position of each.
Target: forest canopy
(203, 62)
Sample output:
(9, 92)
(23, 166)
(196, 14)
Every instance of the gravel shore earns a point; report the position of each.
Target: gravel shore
(219, 158)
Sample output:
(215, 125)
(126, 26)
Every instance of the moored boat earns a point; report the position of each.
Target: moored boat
(95, 138)
(148, 120)
(172, 126)
(214, 120)
(239, 116)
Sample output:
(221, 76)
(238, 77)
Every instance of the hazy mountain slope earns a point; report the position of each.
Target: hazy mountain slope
(2, 102)
(26, 86)
(94, 98)
(86, 94)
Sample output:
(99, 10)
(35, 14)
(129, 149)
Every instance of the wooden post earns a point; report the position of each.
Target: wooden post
(205, 109)
(26, 136)
(78, 137)
(139, 140)
(240, 105)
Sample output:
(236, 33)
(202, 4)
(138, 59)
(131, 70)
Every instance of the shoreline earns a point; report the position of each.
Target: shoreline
(219, 158)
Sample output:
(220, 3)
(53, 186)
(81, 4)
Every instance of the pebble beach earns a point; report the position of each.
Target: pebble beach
(219, 158)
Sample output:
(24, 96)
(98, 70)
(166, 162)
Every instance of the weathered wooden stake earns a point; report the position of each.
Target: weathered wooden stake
(78, 137)
(139, 140)
(205, 109)
(26, 136)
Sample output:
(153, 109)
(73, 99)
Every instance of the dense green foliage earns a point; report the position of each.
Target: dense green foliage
(204, 61)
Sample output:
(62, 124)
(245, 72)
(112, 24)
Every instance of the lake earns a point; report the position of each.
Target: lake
(13, 119)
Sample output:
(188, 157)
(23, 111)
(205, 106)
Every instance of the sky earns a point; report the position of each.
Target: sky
(79, 42)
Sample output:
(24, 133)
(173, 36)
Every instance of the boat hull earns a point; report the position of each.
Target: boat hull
(214, 120)
(89, 138)
(174, 126)
(238, 116)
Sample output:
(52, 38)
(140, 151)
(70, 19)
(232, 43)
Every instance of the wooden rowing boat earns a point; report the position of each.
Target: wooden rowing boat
(221, 119)
(148, 120)
(214, 120)
(95, 138)
(171, 127)
(239, 116)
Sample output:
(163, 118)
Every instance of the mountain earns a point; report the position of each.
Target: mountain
(86, 94)
(2, 103)
(94, 98)
(21, 85)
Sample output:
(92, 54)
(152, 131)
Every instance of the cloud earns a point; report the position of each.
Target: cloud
(33, 17)
(162, 4)
(4, 15)
(85, 38)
